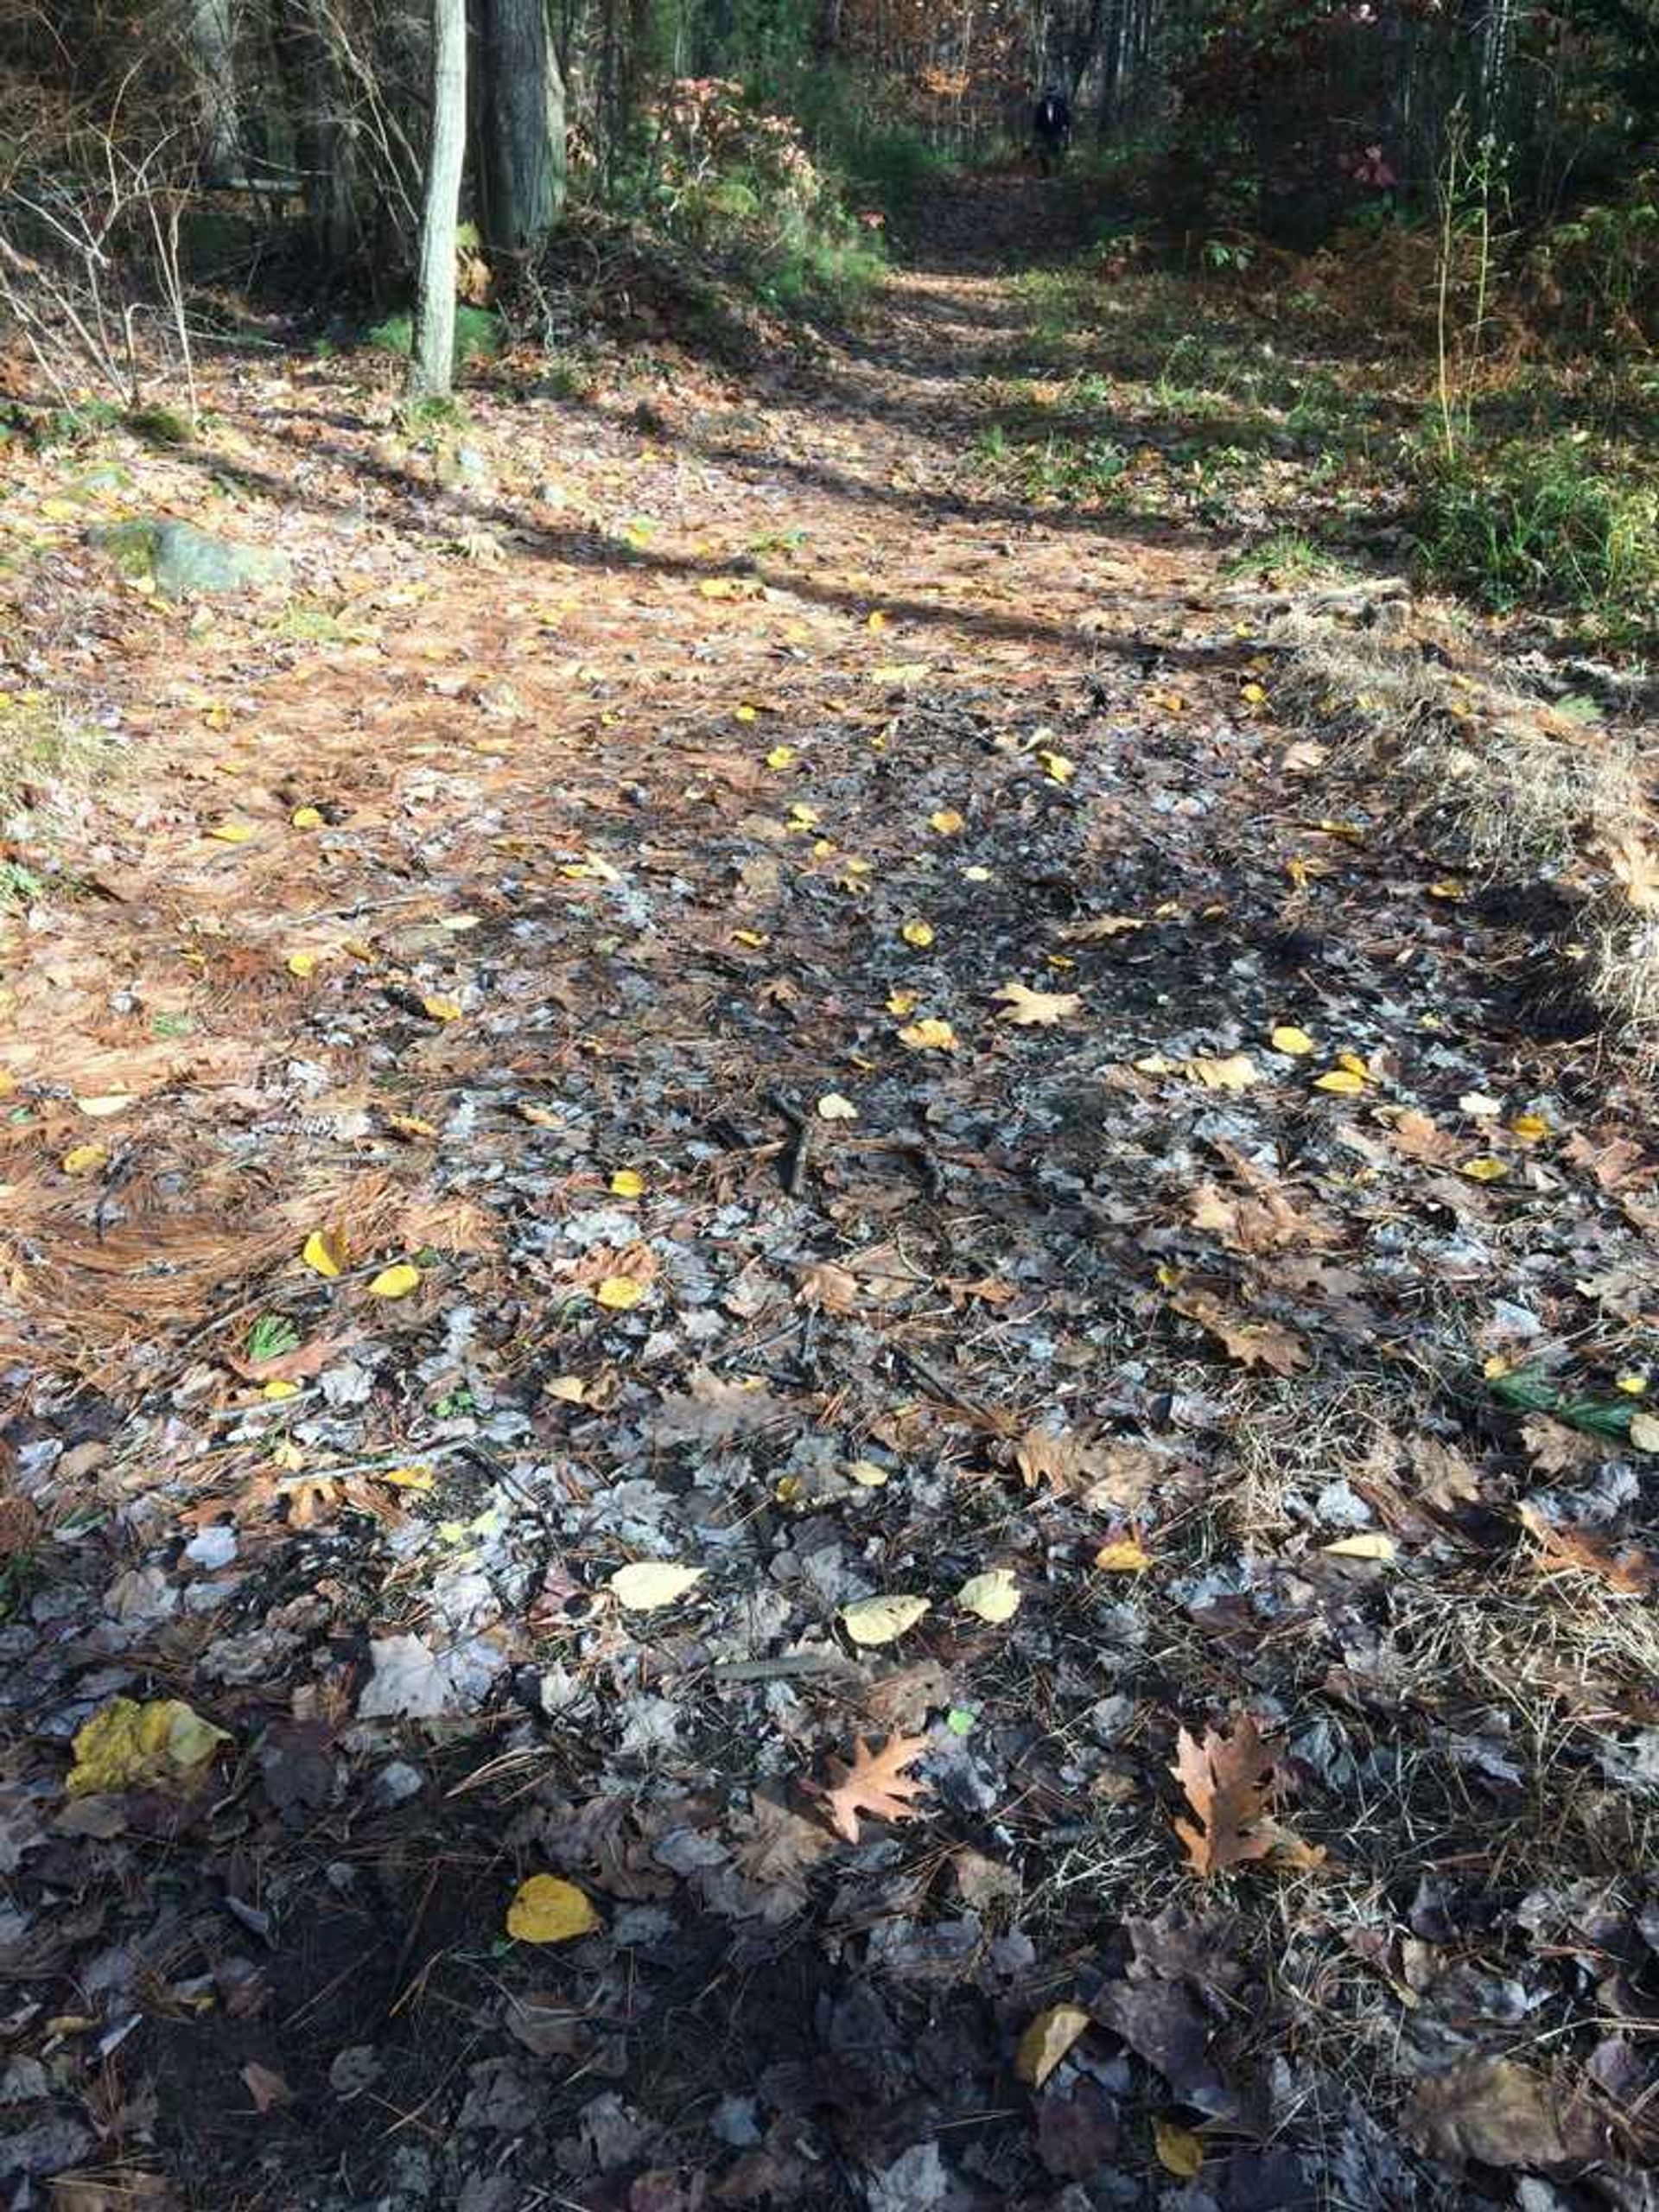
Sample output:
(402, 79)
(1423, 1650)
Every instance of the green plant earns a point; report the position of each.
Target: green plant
(1469, 185)
(1542, 523)
(479, 335)
(271, 1336)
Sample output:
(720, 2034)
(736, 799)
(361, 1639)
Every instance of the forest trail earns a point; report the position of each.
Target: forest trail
(718, 995)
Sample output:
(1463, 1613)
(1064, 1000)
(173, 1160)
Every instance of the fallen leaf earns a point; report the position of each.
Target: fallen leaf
(1180, 2151)
(881, 1620)
(396, 1282)
(411, 1125)
(918, 934)
(161, 1744)
(832, 1107)
(269, 2090)
(101, 1107)
(619, 1294)
(1254, 1344)
(1644, 1431)
(1228, 1780)
(408, 1477)
(901, 1002)
(929, 1035)
(325, 1251)
(442, 1009)
(1369, 1544)
(306, 818)
(1286, 1038)
(1036, 1009)
(650, 1584)
(232, 832)
(1043, 1455)
(1046, 2041)
(713, 1409)
(1342, 1081)
(1057, 767)
(1566, 1550)
(84, 1159)
(545, 1910)
(1236, 1072)
(1484, 1169)
(993, 1595)
(1500, 2113)
(946, 821)
(780, 756)
(831, 1288)
(876, 1782)
(1123, 1555)
(302, 964)
(628, 1183)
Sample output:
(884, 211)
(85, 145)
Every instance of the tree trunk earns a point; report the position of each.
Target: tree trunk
(432, 355)
(520, 144)
(210, 36)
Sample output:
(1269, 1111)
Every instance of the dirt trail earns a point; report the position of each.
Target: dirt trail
(728, 752)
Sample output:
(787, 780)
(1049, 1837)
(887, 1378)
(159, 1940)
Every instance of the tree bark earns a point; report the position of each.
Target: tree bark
(520, 119)
(432, 353)
(210, 37)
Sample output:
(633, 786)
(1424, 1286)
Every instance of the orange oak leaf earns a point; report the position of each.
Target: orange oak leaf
(875, 1783)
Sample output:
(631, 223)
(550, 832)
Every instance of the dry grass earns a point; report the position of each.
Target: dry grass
(1523, 790)
(46, 755)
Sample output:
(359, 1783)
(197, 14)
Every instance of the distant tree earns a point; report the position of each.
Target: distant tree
(432, 353)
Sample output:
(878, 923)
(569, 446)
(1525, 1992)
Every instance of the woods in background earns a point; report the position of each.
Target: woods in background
(296, 133)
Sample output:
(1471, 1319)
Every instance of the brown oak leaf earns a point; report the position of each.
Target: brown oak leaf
(1254, 1344)
(1566, 1550)
(875, 1783)
(1502, 2113)
(1229, 1781)
(1063, 1459)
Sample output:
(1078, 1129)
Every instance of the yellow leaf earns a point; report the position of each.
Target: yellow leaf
(929, 1035)
(1286, 1038)
(803, 816)
(571, 1389)
(233, 833)
(1644, 1431)
(753, 938)
(1028, 1010)
(306, 818)
(976, 875)
(442, 1009)
(1047, 2042)
(901, 1002)
(1342, 1081)
(60, 511)
(161, 1744)
(1252, 694)
(995, 1595)
(1238, 1071)
(288, 1456)
(1179, 2152)
(746, 713)
(881, 1620)
(780, 756)
(301, 964)
(326, 1250)
(832, 1107)
(1530, 1127)
(545, 1910)
(411, 1125)
(84, 1159)
(628, 1183)
(619, 1294)
(650, 1583)
(1057, 767)
(541, 1117)
(1633, 1385)
(868, 1474)
(1123, 1555)
(1447, 889)
(899, 672)
(876, 620)
(946, 821)
(1370, 1544)
(409, 1477)
(396, 1280)
(279, 1389)
(918, 933)
(1483, 1168)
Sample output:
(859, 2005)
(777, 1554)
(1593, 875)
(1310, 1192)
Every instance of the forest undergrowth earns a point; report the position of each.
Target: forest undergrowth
(829, 1287)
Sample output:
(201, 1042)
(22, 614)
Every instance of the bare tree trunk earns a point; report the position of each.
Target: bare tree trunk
(432, 355)
(519, 158)
(210, 39)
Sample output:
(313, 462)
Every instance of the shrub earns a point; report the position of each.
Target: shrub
(479, 335)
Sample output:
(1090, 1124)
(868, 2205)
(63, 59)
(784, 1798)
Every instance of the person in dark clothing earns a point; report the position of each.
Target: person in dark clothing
(1051, 130)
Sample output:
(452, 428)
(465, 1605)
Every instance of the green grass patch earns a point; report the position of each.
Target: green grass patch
(1541, 525)
(479, 335)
